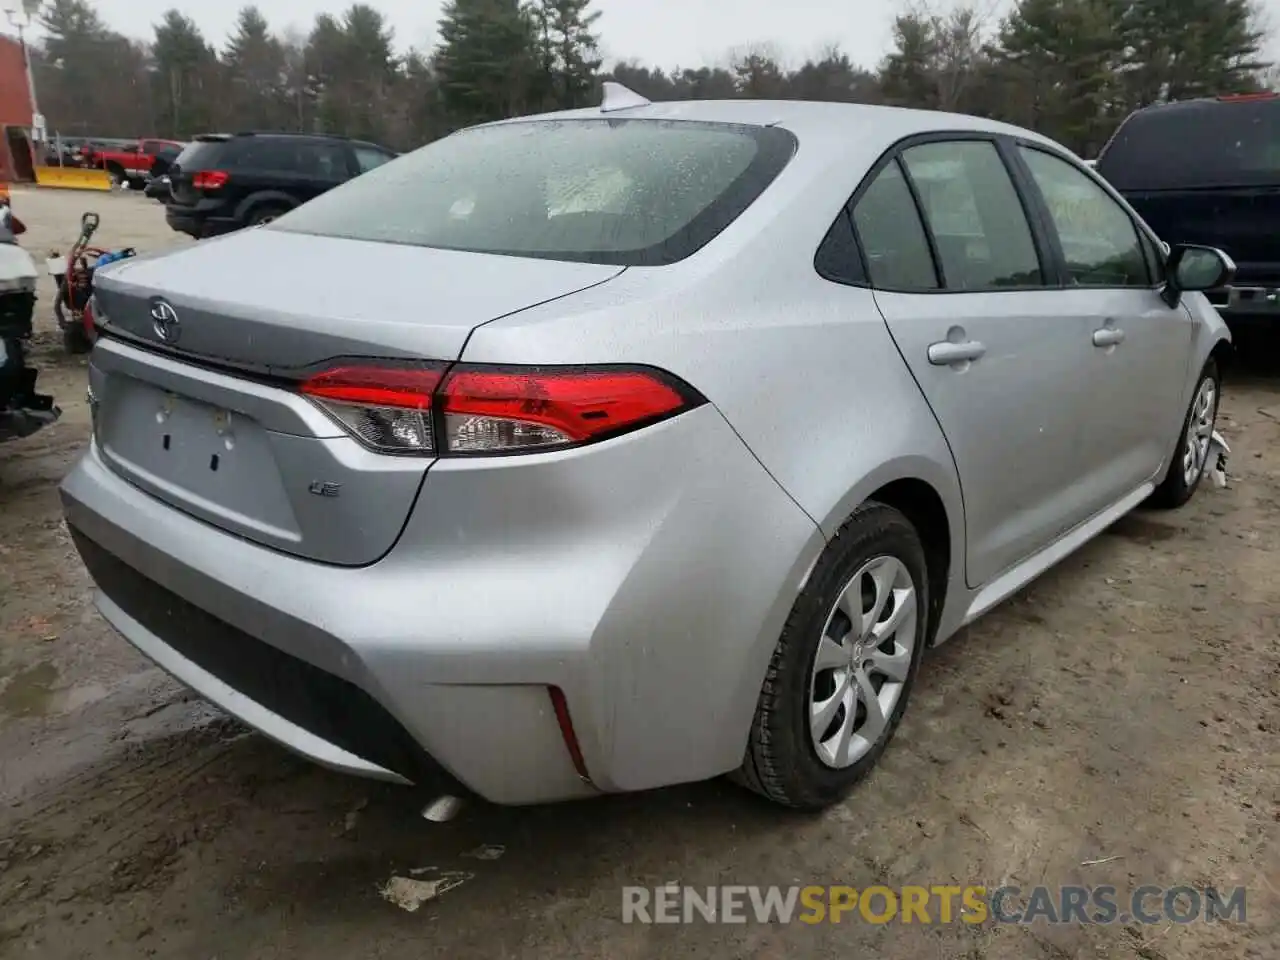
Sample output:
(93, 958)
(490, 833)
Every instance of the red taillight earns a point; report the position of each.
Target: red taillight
(210, 179)
(482, 410)
(387, 407)
(505, 410)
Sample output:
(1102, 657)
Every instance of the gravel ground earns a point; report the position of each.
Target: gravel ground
(1125, 706)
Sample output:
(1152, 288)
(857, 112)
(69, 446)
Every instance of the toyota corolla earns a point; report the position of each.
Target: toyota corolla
(635, 445)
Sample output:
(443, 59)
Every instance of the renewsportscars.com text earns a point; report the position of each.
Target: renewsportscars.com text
(935, 904)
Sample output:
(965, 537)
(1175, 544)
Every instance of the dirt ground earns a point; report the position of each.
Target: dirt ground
(1125, 706)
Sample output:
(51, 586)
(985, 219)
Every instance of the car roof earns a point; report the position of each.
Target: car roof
(851, 122)
(284, 135)
(1196, 104)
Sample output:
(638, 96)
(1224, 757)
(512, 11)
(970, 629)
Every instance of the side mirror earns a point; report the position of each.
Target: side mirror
(1192, 267)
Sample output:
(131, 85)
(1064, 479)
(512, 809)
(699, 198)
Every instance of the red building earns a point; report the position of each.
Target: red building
(15, 113)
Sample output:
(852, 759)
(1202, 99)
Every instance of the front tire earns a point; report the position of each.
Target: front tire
(1190, 461)
(839, 680)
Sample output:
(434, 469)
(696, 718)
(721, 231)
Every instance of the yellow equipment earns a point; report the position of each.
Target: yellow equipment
(73, 178)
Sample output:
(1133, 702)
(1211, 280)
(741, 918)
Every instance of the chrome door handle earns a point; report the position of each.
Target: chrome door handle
(946, 352)
(1107, 337)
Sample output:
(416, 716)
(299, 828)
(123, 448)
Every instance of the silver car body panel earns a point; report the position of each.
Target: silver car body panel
(648, 577)
(601, 569)
(281, 301)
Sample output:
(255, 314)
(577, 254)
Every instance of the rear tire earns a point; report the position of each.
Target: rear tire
(1190, 460)
(265, 214)
(807, 748)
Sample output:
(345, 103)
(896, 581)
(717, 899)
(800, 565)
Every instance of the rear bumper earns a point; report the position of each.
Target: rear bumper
(647, 578)
(1247, 299)
(197, 225)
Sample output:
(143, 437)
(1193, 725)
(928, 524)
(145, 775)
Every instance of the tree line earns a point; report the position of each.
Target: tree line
(1068, 68)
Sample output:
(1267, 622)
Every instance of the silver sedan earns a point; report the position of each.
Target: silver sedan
(634, 445)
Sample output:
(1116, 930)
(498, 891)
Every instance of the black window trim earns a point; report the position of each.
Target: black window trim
(353, 161)
(1052, 268)
(1043, 231)
(939, 270)
(1140, 229)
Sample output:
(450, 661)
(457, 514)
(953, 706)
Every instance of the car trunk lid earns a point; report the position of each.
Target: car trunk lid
(210, 419)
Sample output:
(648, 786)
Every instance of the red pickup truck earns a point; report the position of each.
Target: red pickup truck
(129, 164)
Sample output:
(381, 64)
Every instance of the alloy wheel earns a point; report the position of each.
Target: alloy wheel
(863, 661)
(1195, 449)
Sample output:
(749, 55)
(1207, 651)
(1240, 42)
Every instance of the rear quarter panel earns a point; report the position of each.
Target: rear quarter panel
(803, 369)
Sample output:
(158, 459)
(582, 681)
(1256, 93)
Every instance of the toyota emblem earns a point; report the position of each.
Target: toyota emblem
(164, 319)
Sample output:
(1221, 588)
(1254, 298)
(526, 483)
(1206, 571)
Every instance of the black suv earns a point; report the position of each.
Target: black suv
(1208, 171)
(222, 182)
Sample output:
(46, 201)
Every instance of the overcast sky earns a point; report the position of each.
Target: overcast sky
(663, 32)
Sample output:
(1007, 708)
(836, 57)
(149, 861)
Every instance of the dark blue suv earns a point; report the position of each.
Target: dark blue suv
(222, 182)
(1208, 171)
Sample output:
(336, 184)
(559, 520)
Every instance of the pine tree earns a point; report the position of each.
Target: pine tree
(486, 60)
(256, 68)
(1181, 49)
(186, 77)
(568, 50)
(77, 53)
(834, 78)
(368, 72)
(758, 75)
(906, 76)
(1061, 65)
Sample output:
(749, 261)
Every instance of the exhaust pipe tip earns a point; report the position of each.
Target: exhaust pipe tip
(443, 809)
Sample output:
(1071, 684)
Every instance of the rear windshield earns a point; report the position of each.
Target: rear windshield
(1206, 143)
(627, 192)
(201, 154)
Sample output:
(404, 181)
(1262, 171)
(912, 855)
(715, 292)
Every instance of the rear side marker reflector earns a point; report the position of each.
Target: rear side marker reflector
(480, 410)
(561, 707)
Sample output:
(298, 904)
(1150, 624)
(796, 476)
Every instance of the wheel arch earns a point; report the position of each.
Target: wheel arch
(922, 505)
(264, 198)
(927, 493)
(1223, 353)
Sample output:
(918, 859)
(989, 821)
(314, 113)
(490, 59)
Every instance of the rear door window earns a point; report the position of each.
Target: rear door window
(328, 161)
(891, 235)
(973, 210)
(264, 153)
(367, 158)
(201, 155)
(293, 155)
(1200, 143)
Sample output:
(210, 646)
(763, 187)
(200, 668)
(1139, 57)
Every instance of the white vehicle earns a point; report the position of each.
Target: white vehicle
(22, 410)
